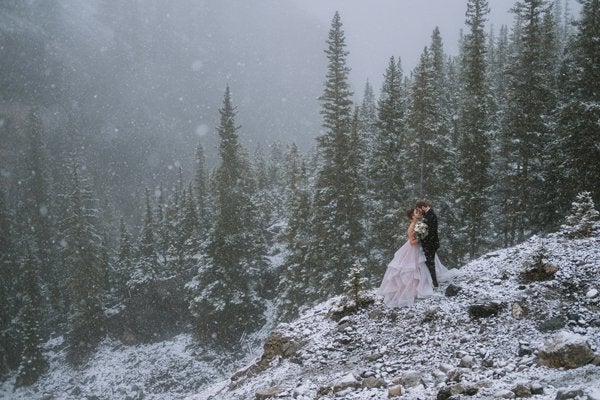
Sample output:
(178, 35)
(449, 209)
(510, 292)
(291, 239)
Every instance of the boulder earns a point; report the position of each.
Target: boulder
(565, 350)
(268, 393)
(485, 310)
(452, 290)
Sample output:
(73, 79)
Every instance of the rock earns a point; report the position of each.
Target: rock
(591, 293)
(552, 324)
(524, 350)
(447, 392)
(452, 290)
(411, 379)
(395, 391)
(504, 394)
(348, 381)
(268, 393)
(565, 350)
(522, 390)
(565, 394)
(536, 388)
(466, 362)
(485, 310)
(517, 311)
(373, 382)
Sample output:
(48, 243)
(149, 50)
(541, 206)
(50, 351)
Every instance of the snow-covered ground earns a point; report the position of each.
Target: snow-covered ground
(435, 344)
(172, 369)
(419, 350)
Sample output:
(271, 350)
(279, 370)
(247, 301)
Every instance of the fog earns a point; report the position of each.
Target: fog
(377, 30)
(135, 86)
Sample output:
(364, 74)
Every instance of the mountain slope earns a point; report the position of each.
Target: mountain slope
(446, 345)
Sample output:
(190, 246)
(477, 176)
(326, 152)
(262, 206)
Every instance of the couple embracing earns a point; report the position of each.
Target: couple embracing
(415, 269)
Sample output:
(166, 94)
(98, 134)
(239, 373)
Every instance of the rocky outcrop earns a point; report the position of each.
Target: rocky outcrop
(565, 350)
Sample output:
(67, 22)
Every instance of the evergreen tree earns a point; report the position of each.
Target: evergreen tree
(202, 191)
(224, 293)
(387, 165)
(33, 363)
(430, 169)
(82, 259)
(367, 116)
(294, 286)
(9, 341)
(147, 268)
(524, 129)
(473, 185)
(579, 112)
(336, 235)
(580, 221)
(36, 205)
(124, 265)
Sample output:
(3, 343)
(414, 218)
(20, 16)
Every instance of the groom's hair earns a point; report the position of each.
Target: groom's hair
(423, 203)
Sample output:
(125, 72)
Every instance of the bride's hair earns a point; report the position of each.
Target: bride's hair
(409, 213)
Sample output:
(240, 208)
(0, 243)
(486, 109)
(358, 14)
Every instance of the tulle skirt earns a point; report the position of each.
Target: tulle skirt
(407, 277)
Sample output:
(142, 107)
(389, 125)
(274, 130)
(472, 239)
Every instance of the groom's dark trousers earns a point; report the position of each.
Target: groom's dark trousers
(431, 243)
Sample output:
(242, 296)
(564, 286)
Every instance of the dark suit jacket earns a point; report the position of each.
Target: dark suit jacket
(431, 242)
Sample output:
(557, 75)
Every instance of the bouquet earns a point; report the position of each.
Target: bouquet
(421, 230)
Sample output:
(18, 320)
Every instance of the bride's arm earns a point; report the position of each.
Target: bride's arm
(411, 234)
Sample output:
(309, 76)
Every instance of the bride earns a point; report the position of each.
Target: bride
(407, 276)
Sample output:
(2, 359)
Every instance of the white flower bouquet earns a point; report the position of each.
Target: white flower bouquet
(421, 230)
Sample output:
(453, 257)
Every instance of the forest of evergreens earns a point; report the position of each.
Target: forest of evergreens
(500, 138)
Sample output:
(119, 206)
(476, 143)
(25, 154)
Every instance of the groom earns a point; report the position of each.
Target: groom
(431, 242)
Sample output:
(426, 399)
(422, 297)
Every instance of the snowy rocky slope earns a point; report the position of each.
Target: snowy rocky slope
(518, 322)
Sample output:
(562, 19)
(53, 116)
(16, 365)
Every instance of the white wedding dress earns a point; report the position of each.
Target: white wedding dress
(407, 276)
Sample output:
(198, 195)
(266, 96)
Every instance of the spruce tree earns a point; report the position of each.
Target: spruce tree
(472, 187)
(9, 341)
(294, 287)
(430, 169)
(387, 165)
(147, 268)
(224, 296)
(36, 204)
(201, 185)
(124, 264)
(82, 259)
(336, 233)
(33, 363)
(524, 129)
(578, 113)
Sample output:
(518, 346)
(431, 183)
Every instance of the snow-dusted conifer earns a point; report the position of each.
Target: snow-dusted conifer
(224, 297)
(82, 260)
(580, 221)
(387, 165)
(33, 363)
(336, 233)
(472, 187)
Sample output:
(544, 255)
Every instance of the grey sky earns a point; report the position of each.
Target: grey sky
(377, 29)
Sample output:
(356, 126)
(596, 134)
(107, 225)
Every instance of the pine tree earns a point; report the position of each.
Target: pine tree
(202, 191)
(473, 186)
(580, 221)
(33, 363)
(430, 168)
(524, 130)
(36, 204)
(9, 342)
(387, 165)
(579, 112)
(224, 293)
(367, 116)
(124, 264)
(336, 232)
(82, 259)
(294, 286)
(147, 268)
